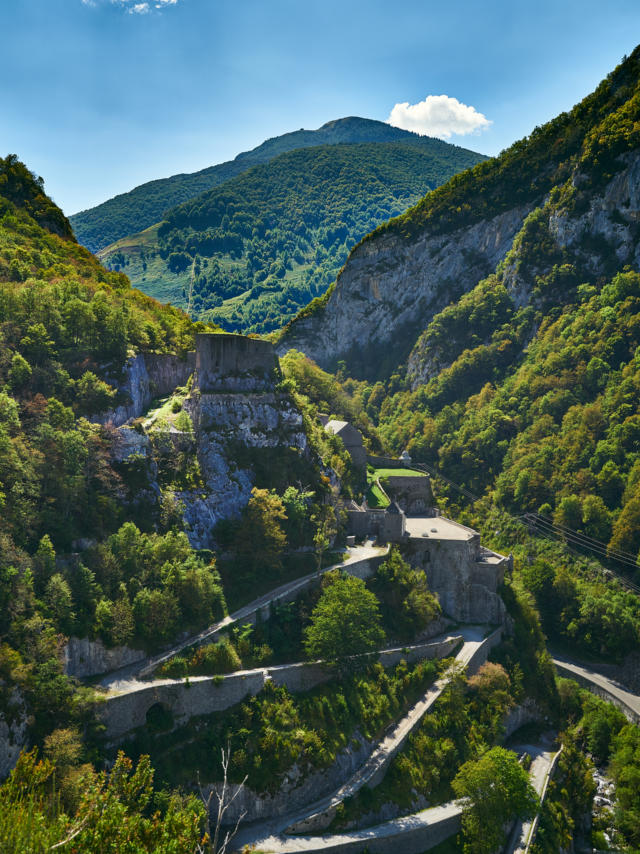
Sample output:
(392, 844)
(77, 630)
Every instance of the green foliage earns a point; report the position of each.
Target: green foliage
(207, 660)
(273, 731)
(152, 583)
(463, 723)
(406, 603)
(625, 770)
(258, 247)
(344, 623)
(116, 811)
(498, 789)
(145, 205)
(568, 799)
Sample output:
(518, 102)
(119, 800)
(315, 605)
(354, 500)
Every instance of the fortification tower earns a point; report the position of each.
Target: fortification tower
(229, 362)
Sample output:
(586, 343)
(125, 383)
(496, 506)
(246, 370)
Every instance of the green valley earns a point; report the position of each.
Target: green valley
(354, 580)
(253, 251)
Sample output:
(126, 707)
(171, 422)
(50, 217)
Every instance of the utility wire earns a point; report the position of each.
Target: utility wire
(563, 528)
(579, 539)
(551, 531)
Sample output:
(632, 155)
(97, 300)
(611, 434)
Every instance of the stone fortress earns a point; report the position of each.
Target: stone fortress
(234, 397)
(229, 362)
(465, 575)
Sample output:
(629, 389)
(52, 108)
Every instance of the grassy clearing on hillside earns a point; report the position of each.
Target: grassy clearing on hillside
(399, 472)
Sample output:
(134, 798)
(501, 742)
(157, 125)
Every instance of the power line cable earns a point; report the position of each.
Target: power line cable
(550, 530)
(580, 539)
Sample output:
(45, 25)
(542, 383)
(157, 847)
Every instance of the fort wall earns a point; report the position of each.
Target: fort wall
(187, 698)
(229, 362)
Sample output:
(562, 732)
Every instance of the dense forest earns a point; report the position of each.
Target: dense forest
(254, 250)
(145, 205)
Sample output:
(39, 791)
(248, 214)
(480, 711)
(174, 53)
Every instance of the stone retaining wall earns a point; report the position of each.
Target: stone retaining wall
(599, 690)
(84, 657)
(188, 698)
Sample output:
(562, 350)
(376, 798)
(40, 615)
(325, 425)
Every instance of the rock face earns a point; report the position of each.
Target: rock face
(264, 420)
(13, 730)
(84, 657)
(144, 377)
(234, 406)
(613, 216)
(391, 284)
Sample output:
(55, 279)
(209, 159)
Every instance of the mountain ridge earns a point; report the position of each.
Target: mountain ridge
(252, 251)
(133, 211)
(407, 270)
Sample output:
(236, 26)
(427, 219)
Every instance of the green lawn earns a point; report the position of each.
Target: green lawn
(384, 473)
(375, 497)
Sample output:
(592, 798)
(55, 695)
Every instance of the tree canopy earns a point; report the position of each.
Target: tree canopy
(344, 623)
(497, 790)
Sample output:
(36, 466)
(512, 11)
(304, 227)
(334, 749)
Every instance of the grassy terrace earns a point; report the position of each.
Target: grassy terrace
(375, 496)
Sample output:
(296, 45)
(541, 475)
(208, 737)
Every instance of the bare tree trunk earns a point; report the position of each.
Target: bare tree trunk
(217, 843)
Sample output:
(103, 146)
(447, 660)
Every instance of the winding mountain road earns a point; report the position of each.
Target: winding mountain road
(269, 835)
(128, 679)
(628, 702)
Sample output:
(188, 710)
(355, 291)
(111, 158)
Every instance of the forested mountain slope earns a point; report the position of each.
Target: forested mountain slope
(254, 250)
(576, 170)
(528, 385)
(131, 212)
(94, 539)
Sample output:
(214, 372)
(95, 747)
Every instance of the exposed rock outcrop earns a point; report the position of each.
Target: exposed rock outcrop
(262, 420)
(391, 284)
(13, 729)
(234, 406)
(144, 377)
(84, 657)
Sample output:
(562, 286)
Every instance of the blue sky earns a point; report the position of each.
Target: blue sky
(98, 96)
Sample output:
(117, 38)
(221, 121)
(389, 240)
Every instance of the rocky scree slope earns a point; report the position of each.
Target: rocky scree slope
(403, 273)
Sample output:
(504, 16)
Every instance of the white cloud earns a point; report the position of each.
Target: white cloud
(133, 7)
(438, 115)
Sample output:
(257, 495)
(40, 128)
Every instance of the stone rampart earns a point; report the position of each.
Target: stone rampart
(481, 654)
(229, 362)
(187, 698)
(466, 583)
(412, 494)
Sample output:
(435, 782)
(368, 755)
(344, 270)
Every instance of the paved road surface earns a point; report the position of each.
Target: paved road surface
(542, 760)
(269, 835)
(587, 671)
(424, 819)
(125, 680)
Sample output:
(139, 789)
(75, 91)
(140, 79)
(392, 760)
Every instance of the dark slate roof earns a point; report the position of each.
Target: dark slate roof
(393, 508)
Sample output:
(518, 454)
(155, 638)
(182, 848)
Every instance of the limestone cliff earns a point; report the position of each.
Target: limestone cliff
(581, 169)
(391, 287)
(233, 410)
(222, 421)
(597, 236)
(13, 727)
